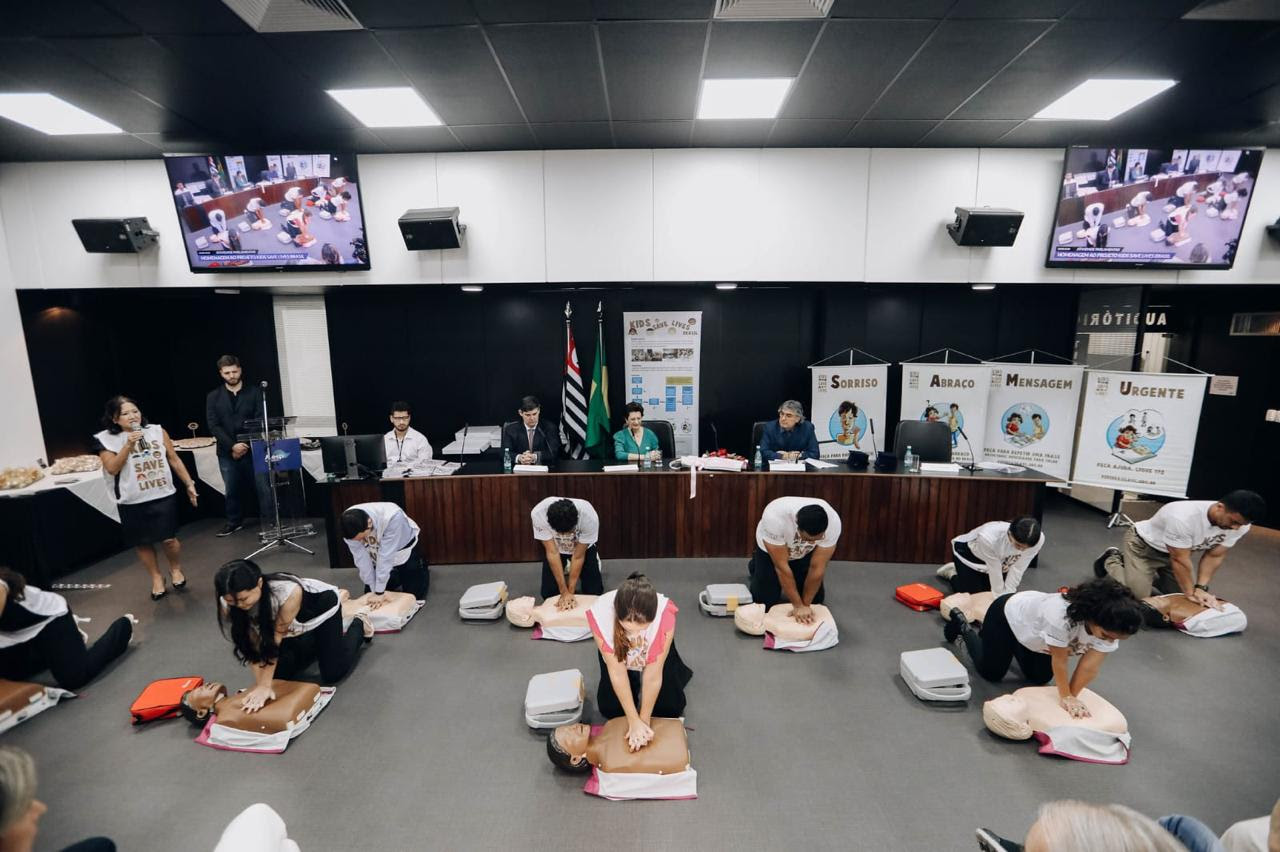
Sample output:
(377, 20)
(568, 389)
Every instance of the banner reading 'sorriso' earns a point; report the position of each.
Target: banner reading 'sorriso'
(847, 401)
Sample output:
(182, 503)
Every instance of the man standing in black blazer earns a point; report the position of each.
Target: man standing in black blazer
(527, 439)
(227, 407)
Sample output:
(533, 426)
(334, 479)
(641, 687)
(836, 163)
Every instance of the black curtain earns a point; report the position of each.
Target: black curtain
(463, 357)
(159, 347)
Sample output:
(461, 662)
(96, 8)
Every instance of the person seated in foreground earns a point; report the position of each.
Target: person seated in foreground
(1073, 826)
(20, 810)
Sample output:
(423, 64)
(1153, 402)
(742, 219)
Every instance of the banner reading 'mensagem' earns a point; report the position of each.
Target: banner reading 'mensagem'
(1138, 431)
(846, 401)
(1031, 416)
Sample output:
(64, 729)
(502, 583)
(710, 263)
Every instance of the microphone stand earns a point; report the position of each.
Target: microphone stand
(278, 537)
(462, 450)
(972, 466)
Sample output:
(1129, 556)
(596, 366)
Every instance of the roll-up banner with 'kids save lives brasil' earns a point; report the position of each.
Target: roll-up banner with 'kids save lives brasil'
(955, 394)
(1138, 431)
(846, 401)
(663, 351)
(1031, 415)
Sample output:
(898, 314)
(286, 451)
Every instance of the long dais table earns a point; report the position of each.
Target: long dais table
(481, 515)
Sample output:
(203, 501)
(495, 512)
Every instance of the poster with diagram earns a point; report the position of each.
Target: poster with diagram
(663, 353)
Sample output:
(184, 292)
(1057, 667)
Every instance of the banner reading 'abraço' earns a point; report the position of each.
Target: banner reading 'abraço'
(847, 401)
(955, 394)
(1031, 416)
(1138, 431)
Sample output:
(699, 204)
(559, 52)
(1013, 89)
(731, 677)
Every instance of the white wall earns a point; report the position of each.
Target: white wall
(844, 214)
(23, 442)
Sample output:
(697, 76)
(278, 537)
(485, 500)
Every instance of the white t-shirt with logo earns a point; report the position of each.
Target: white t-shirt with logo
(1002, 561)
(145, 475)
(1039, 621)
(1185, 524)
(587, 532)
(778, 526)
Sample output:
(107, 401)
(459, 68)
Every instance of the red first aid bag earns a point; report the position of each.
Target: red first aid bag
(918, 596)
(161, 698)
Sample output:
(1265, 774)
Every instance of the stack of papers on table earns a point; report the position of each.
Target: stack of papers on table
(475, 445)
(939, 467)
(785, 466)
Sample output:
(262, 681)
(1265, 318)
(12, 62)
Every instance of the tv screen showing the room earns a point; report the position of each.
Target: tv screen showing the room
(269, 212)
(1171, 208)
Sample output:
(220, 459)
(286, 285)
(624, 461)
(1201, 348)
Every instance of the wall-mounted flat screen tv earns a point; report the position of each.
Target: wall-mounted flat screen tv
(269, 212)
(1165, 208)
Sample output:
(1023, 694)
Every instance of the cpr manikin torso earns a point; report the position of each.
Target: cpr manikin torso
(569, 625)
(974, 606)
(20, 701)
(782, 632)
(1196, 619)
(660, 770)
(397, 610)
(271, 728)
(1035, 711)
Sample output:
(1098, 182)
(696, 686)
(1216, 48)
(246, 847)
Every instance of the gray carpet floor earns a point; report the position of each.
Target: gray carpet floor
(424, 745)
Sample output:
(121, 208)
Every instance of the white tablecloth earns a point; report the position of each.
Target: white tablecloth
(90, 487)
(209, 472)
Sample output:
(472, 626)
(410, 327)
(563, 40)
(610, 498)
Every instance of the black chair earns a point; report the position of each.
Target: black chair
(930, 441)
(757, 431)
(666, 435)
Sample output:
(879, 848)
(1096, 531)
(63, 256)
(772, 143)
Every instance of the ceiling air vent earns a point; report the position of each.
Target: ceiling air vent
(765, 10)
(1255, 325)
(294, 16)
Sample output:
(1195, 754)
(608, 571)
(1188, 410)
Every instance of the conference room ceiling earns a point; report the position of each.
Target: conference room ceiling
(191, 76)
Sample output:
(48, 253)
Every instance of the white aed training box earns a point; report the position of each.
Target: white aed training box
(934, 674)
(484, 602)
(723, 599)
(554, 699)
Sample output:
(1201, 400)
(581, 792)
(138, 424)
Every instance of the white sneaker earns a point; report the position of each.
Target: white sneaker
(947, 572)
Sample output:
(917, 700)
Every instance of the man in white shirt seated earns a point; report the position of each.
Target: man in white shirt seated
(568, 529)
(383, 541)
(794, 542)
(406, 447)
(1157, 552)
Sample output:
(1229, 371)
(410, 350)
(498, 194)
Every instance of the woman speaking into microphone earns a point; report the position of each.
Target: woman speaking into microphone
(139, 462)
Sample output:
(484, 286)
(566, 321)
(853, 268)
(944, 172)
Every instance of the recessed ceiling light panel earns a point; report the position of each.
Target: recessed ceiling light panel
(1102, 100)
(397, 106)
(743, 99)
(52, 115)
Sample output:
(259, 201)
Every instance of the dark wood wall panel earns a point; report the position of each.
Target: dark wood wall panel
(885, 518)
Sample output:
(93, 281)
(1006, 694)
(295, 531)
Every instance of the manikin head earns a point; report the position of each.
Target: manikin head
(230, 370)
(1238, 508)
(567, 747)
(530, 409)
(356, 525)
(198, 703)
(790, 415)
(20, 810)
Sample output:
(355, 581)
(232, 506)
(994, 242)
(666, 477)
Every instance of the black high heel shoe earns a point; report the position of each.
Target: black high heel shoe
(177, 587)
(155, 596)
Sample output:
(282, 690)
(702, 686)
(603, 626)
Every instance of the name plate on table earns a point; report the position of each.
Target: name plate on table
(785, 466)
(939, 467)
(530, 468)
(818, 464)
(621, 468)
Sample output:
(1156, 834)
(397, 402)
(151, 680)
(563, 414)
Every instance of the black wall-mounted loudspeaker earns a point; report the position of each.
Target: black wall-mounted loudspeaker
(985, 226)
(115, 236)
(431, 228)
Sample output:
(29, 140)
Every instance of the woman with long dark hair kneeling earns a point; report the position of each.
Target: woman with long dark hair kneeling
(280, 624)
(641, 673)
(1043, 630)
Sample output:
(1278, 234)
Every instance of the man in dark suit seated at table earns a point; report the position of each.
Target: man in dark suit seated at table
(529, 441)
(790, 437)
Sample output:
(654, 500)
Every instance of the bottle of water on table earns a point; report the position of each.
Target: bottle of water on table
(506, 459)
(758, 461)
(909, 461)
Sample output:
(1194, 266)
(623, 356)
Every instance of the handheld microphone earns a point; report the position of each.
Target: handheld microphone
(143, 444)
(972, 466)
(262, 385)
